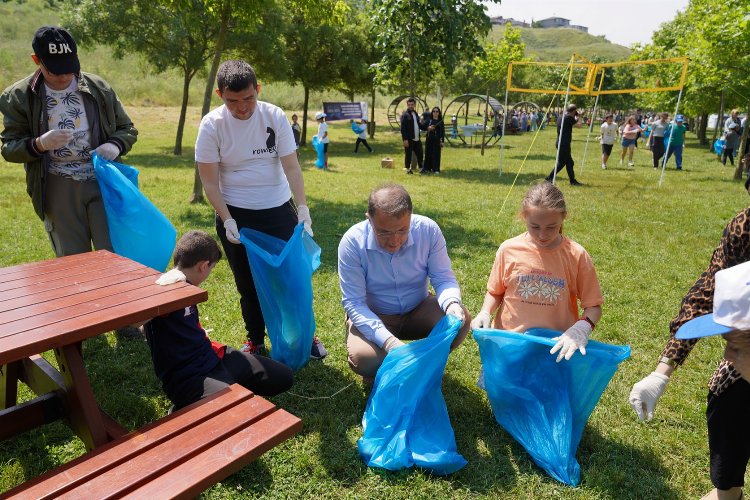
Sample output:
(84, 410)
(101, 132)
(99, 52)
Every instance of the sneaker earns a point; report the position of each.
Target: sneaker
(423, 171)
(575, 183)
(409, 171)
(620, 161)
(436, 173)
(630, 164)
(253, 348)
(318, 350)
(604, 166)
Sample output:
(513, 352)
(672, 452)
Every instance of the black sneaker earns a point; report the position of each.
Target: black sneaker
(575, 183)
(409, 171)
(318, 350)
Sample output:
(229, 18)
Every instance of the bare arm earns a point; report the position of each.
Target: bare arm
(491, 303)
(209, 173)
(593, 313)
(293, 172)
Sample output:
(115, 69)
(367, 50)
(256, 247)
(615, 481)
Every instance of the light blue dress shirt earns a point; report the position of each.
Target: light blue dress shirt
(374, 281)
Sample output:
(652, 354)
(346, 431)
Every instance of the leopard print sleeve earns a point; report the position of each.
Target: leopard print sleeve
(733, 249)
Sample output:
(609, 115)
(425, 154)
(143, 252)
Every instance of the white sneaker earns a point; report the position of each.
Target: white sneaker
(630, 164)
(604, 166)
(620, 161)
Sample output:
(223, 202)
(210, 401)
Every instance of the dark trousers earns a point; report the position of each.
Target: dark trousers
(279, 222)
(361, 141)
(728, 153)
(565, 159)
(433, 149)
(262, 375)
(729, 434)
(657, 149)
(416, 147)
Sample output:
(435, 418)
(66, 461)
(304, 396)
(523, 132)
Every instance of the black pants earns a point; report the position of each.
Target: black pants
(279, 222)
(361, 141)
(729, 435)
(416, 147)
(657, 149)
(728, 153)
(565, 159)
(262, 375)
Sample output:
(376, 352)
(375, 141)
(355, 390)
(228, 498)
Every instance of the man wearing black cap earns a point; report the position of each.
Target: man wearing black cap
(564, 138)
(53, 120)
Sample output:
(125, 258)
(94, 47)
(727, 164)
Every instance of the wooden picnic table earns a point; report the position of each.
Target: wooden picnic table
(54, 305)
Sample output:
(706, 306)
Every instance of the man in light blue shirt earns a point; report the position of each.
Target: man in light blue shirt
(385, 266)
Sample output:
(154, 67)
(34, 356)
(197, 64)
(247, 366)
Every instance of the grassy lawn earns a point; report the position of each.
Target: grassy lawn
(649, 244)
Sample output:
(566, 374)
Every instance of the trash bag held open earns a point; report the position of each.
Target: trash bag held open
(137, 229)
(282, 272)
(544, 405)
(406, 420)
(318, 146)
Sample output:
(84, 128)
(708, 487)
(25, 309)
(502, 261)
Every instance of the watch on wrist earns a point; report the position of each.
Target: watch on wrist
(668, 361)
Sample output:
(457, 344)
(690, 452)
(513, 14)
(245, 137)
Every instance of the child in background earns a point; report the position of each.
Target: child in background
(189, 365)
(362, 137)
(539, 277)
(296, 131)
(320, 117)
(607, 138)
(731, 145)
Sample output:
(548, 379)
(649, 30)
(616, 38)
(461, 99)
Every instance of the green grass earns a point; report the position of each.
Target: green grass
(649, 244)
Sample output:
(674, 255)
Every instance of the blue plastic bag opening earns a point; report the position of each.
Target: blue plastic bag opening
(406, 420)
(358, 129)
(137, 229)
(719, 145)
(282, 272)
(318, 146)
(545, 405)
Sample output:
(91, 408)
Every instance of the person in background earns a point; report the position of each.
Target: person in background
(563, 142)
(630, 132)
(434, 142)
(296, 131)
(656, 138)
(732, 144)
(676, 131)
(323, 138)
(248, 164)
(607, 137)
(362, 137)
(410, 129)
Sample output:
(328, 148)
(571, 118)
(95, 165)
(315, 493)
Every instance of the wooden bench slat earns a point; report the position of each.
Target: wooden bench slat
(48, 265)
(221, 460)
(110, 455)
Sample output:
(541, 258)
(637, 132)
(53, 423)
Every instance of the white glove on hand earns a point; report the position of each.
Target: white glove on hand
(646, 393)
(233, 234)
(482, 320)
(170, 277)
(574, 339)
(108, 151)
(303, 215)
(455, 309)
(391, 344)
(55, 139)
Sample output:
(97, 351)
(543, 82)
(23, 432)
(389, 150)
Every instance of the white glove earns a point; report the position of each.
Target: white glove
(233, 234)
(646, 393)
(170, 277)
(482, 320)
(574, 339)
(455, 309)
(108, 151)
(391, 343)
(303, 215)
(55, 139)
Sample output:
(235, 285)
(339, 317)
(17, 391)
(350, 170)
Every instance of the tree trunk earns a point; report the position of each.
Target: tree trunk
(183, 111)
(371, 125)
(303, 139)
(197, 196)
(719, 122)
(702, 129)
(743, 144)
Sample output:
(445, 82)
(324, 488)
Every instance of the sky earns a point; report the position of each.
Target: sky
(623, 23)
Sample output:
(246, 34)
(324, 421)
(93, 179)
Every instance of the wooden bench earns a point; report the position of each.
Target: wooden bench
(178, 456)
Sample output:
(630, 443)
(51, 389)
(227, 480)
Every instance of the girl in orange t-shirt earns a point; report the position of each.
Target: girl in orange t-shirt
(539, 277)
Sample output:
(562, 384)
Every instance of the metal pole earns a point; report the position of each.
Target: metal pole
(669, 142)
(591, 125)
(505, 118)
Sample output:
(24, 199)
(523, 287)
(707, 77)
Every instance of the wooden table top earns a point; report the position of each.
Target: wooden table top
(49, 304)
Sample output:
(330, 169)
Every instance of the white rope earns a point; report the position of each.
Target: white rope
(321, 397)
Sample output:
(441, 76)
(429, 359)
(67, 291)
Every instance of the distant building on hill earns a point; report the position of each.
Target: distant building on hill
(559, 22)
(502, 21)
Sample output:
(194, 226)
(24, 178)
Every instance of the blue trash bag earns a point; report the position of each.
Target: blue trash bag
(719, 145)
(320, 162)
(358, 129)
(406, 421)
(282, 272)
(137, 229)
(544, 405)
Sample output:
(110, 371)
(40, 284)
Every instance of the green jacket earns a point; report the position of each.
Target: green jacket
(25, 119)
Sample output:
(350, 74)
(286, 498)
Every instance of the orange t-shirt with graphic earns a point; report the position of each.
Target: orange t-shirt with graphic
(540, 287)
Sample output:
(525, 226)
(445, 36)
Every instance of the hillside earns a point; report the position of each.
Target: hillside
(557, 44)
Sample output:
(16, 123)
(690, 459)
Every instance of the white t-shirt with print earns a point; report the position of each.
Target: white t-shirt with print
(322, 131)
(609, 133)
(65, 111)
(248, 152)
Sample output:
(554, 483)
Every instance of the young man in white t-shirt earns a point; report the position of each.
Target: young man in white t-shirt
(247, 161)
(607, 138)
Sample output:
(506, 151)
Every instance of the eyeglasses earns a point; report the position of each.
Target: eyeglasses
(388, 234)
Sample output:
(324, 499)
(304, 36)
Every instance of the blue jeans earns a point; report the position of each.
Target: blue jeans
(677, 150)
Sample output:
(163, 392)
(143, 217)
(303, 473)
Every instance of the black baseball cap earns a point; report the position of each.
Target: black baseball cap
(57, 50)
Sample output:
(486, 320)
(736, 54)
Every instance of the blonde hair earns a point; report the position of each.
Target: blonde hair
(545, 196)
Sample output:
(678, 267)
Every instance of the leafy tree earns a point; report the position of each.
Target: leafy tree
(418, 36)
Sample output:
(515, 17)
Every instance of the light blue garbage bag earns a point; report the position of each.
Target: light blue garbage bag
(719, 145)
(137, 229)
(544, 405)
(317, 145)
(282, 272)
(358, 129)
(406, 421)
